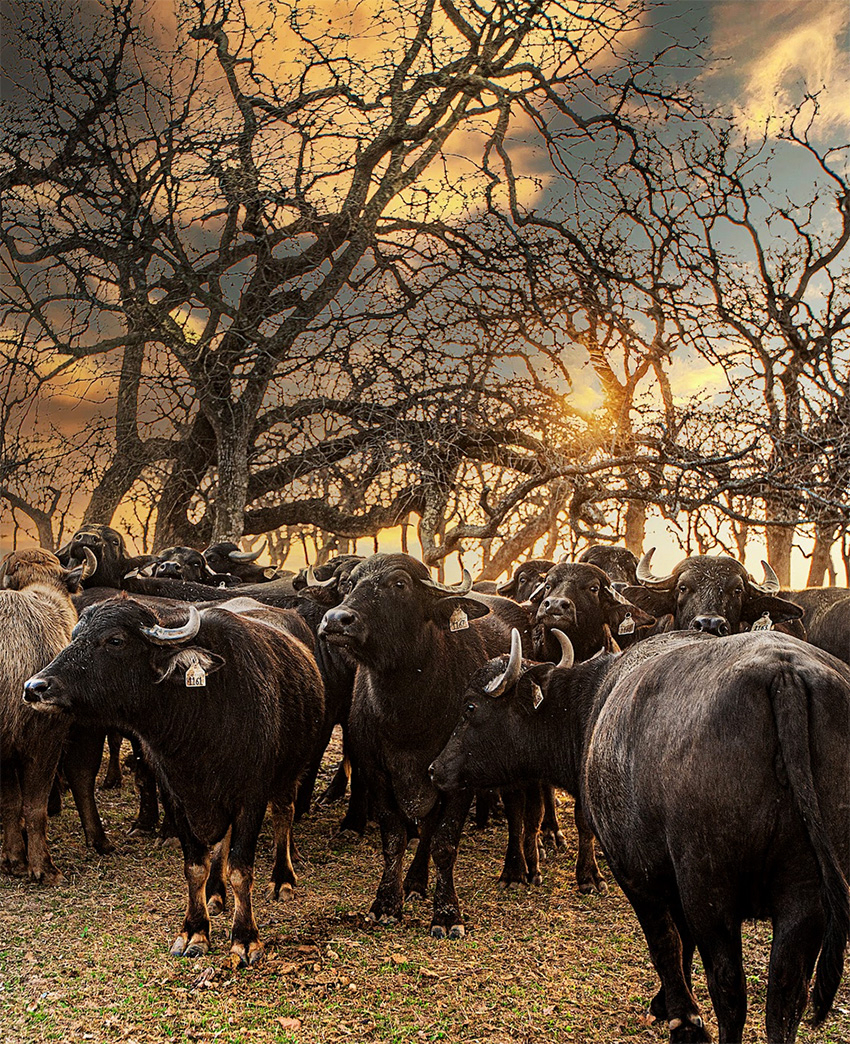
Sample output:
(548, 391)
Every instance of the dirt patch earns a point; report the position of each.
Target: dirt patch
(89, 960)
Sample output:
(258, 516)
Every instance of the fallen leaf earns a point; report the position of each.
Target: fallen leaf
(290, 1025)
(398, 958)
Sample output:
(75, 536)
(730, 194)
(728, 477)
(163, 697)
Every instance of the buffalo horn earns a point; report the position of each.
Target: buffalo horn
(567, 652)
(247, 556)
(511, 674)
(770, 584)
(90, 564)
(313, 582)
(645, 574)
(175, 634)
(462, 588)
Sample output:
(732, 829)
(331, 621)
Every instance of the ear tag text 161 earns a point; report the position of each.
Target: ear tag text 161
(627, 626)
(458, 621)
(196, 676)
(764, 623)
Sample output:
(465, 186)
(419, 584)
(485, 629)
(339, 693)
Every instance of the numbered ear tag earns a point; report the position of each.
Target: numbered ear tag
(196, 676)
(627, 626)
(537, 692)
(764, 623)
(458, 621)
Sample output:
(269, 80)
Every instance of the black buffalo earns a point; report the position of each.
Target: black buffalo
(227, 557)
(715, 594)
(526, 579)
(227, 708)
(185, 563)
(826, 617)
(618, 562)
(416, 642)
(716, 774)
(110, 551)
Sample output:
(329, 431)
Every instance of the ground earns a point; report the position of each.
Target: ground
(88, 960)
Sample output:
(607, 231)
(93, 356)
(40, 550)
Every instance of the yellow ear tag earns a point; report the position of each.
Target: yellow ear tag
(196, 676)
(537, 692)
(458, 621)
(764, 623)
(627, 626)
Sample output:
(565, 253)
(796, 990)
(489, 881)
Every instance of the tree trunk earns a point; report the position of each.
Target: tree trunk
(635, 526)
(231, 494)
(780, 540)
(821, 561)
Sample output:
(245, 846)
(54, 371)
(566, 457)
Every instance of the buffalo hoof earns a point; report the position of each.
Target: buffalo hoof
(111, 781)
(507, 883)
(141, 827)
(215, 905)
(48, 876)
(167, 842)
(280, 891)
(536, 879)
(554, 841)
(688, 1030)
(416, 892)
(588, 887)
(353, 826)
(103, 846)
(14, 867)
(242, 956)
(455, 931)
(197, 946)
(387, 920)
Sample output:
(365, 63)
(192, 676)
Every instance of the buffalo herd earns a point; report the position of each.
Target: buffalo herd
(700, 720)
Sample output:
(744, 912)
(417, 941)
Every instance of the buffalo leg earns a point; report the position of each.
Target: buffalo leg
(216, 889)
(515, 869)
(283, 874)
(666, 951)
(335, 790)
(416, 878)
(194, 937)
(54, 801)
(389, 898)
(112, 779)
(148, 815)
(81, 764)
(13, 854)
(308, 780)
(534, 807)
(447, 919)
(36, 781)
(720, 948)
(588, 874)
(245, 945)
(357, 813)
(796, 942)
(550, 828)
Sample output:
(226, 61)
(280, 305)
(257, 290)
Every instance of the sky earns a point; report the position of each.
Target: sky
(764, 53)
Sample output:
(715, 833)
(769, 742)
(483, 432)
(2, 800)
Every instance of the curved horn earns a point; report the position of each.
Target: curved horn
(463, 587)
(511, 674)
(568, 655)
(645, 574)
(90, 564)
(247, 556)
(175, 634)
(313, 582)
(770, 584)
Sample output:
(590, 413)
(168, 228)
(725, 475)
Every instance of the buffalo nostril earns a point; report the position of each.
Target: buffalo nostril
(34, 690)
(716, 625)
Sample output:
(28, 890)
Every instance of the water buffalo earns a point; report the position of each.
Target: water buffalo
(415, 642)
(716, 774)
(110, 551)
(618, 562)
(526, 579)
(36, 619)
(227, 557)
(826, 617)
(227, 708)
(715, 594)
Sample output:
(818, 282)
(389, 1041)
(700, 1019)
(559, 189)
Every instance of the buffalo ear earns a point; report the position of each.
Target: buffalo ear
(656, 603)
(617, 609)
(780, 610)
(172, 664)
(442, 609)
(507, 590)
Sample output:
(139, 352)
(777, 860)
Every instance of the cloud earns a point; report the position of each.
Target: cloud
(781, 48)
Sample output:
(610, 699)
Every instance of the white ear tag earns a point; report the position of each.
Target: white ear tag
(458, 621)
(537, 692)
(627, 626)
(196, 676)
(764, 623)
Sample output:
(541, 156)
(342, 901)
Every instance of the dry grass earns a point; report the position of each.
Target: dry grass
(89, 960)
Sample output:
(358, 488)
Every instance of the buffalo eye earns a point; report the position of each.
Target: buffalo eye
(344, 586)
(594, 589)
(115, 640)
(683, 588)
(470, 708)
